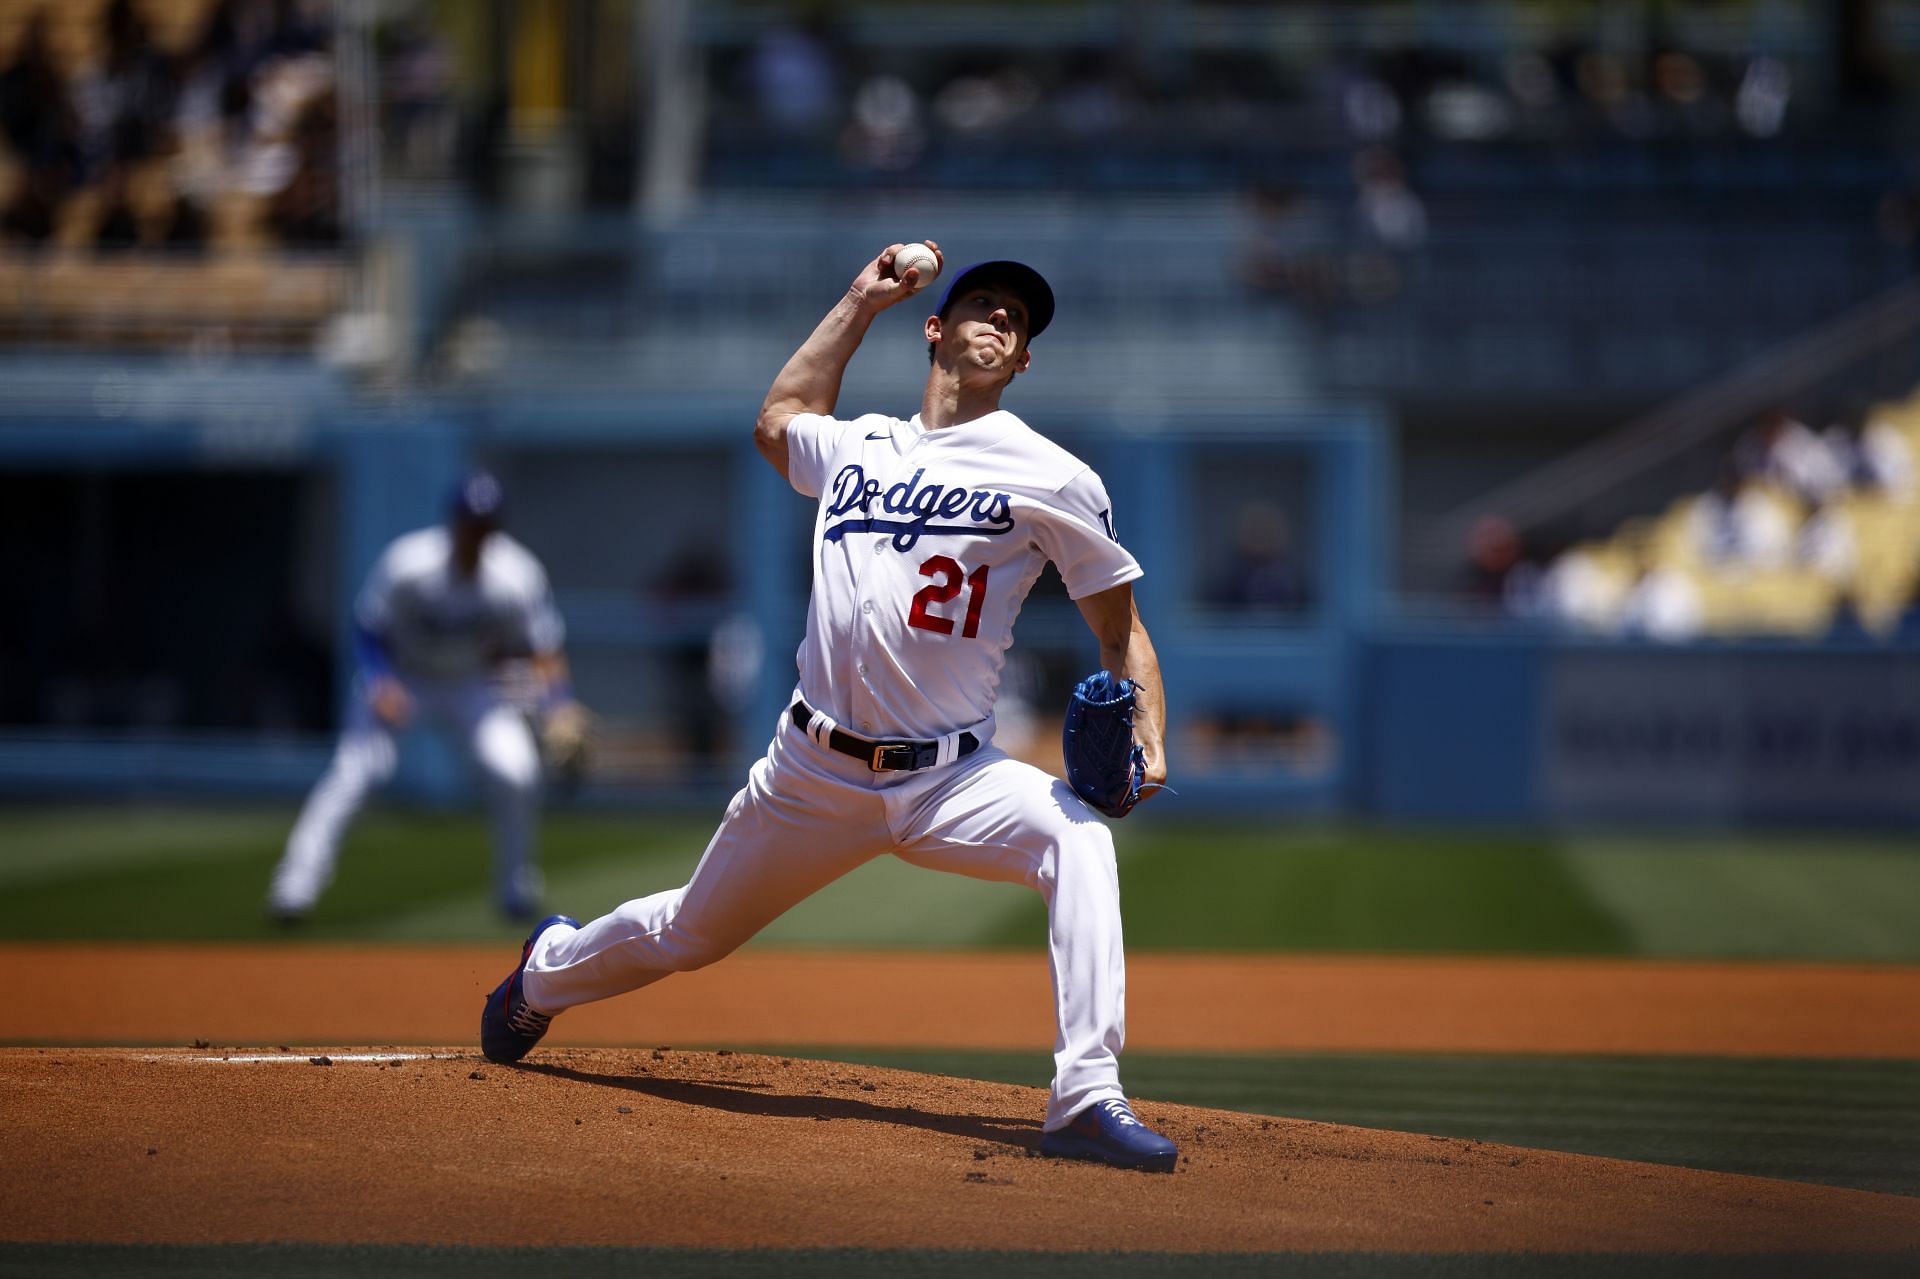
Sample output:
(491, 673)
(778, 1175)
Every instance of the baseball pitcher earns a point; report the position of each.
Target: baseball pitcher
(928, 533)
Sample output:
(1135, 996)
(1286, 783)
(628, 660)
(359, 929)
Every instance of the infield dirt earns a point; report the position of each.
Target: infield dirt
(716, 1149)
(663, 1147)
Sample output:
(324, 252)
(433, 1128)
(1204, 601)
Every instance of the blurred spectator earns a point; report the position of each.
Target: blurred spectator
(42, 130)
(1533, 83)
(1826, 545)
(886, 132)
(1784, 451)
(1493, 551)
(1391, 222)
(1885, 460)
(306, 211)
(156, 143)
(1664, 605)
(1463, 110)
(1681, 100)
(1368, 105)
(979, 103)
(1285, 249)
(1741, 523)
(1760, 104)
(212, 107)
(795, 78)
(125, 100)
(1582, 590)
(1610, 94)
(1262, 571)
(1389, 210)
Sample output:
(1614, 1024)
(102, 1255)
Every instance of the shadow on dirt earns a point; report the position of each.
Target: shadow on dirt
(750, 1097)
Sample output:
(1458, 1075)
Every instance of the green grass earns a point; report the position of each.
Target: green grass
(1809, 897)
(200, 873)
(1328, 888)
(168, 873)
(1841, 1123)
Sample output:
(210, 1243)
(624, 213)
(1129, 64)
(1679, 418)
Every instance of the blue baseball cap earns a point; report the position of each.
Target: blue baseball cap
(481, 498)
(1019, 277)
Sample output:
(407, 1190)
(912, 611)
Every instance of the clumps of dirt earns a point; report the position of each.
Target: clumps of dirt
(735, 1150)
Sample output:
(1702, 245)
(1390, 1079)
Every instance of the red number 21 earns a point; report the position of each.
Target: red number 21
(951, 575)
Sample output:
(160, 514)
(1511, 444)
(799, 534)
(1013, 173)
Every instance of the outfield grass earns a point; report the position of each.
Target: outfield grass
(201, 873)
(1840, 1123)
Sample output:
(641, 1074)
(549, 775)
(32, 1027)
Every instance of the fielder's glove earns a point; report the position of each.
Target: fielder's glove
(566, 741)
(1104, 765)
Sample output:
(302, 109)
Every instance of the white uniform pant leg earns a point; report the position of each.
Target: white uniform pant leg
(363, 759)
(500, 744)
(993, 817)
(790, 832)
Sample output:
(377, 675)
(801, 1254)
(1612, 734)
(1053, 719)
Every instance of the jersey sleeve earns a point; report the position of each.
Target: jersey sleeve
(546, 633)
(1076, 530)
(534, 624)
(373, 607)
(811, 441)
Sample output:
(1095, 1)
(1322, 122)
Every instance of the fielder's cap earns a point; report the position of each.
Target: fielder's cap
(479, 497)
(1019, 277)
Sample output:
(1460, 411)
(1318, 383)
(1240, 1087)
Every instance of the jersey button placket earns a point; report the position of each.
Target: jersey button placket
(860, 635)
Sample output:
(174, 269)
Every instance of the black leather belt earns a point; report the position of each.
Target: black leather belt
(884, 757)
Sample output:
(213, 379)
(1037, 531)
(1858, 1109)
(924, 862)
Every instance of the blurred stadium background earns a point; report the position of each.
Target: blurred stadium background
(1513, 405)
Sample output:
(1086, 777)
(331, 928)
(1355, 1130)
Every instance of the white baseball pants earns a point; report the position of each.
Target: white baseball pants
(808, 815)
(495, 740)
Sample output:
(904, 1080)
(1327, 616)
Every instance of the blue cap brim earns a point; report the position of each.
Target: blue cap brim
(1019, 277)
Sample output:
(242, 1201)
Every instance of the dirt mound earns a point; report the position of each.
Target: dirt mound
(716, 1149)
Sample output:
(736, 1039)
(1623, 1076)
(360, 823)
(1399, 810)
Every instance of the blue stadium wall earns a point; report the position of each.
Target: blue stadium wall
(1414, 721)
(388, 472)
(1477, 726)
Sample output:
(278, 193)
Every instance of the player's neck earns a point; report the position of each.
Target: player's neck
(950, 402)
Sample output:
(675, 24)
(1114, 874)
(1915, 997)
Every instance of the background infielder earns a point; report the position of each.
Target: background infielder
(442, 611)
(929, 534)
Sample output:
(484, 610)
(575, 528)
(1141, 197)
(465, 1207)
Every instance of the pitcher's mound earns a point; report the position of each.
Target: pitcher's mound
(703, 1149)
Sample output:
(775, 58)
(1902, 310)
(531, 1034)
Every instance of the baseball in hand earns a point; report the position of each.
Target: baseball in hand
(916, 255)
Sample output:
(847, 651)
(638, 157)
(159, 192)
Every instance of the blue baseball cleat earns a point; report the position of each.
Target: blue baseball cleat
(508, 1027)
(1109, 1132)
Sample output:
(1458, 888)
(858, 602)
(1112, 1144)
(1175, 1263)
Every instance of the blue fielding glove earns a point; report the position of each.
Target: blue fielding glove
(1105, 766)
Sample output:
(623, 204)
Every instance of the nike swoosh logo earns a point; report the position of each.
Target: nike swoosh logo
(879, 435)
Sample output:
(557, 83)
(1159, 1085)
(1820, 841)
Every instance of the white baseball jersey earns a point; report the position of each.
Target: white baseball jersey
(438, 625)
(926, 543)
